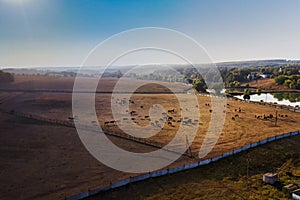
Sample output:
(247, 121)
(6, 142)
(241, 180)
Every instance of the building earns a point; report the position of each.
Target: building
(296, 194)
(265, 75)
(270, 178)
(280, 69)
(251, 77)
(290, 188)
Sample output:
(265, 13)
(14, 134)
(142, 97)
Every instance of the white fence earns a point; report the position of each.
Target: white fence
(177, 169)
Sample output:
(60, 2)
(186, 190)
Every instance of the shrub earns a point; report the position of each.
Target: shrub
(6, 77)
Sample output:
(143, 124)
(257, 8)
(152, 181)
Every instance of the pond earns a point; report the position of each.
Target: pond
(287, 98)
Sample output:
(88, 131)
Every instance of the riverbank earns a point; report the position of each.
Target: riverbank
(288, 101)
(233, 93)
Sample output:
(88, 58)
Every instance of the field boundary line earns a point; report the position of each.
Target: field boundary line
(90, 128)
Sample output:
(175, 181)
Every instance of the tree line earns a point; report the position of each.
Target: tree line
(292, 81)
(6, 77)
(285, 74)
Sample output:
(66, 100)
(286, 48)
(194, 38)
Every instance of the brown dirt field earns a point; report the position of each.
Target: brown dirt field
(44, 161)
(267, 83)
(105, 84)
(244, 129)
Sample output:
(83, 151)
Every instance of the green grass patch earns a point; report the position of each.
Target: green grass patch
(225, 179)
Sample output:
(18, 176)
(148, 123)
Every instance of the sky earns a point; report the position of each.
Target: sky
(63, 32)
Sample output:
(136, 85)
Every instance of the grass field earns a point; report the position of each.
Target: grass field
(225, 179)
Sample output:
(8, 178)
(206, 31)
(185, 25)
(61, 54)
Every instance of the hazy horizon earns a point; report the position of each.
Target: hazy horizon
(127, 65)
(154, 64)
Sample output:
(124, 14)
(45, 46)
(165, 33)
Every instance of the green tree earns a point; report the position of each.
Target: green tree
(246, 94)
(6, 77)
(234, 84)
(246, 97)
(258, 91)
(293, 85)
(199, 85)
(280, 79)
(298, 84)
(287, 82)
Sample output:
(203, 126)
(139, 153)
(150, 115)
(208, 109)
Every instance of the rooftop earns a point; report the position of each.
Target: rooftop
(297, 192)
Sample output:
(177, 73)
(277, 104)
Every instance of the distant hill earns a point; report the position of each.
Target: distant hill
(145, 69)
(257, 63)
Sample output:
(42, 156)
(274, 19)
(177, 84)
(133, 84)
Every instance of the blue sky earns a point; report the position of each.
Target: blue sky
(62, 32)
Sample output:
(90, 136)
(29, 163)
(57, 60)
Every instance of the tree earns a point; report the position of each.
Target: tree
(119, 74)
(246, 97)
(280, 79)
(234, 84)
(199, 85)
(190, 81)
(287, 82)
(298, 84)
(246, 94)
(293, 85)
(258, 91)
(6, 77)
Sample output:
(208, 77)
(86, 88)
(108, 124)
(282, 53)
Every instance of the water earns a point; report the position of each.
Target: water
(289, 99)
